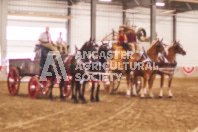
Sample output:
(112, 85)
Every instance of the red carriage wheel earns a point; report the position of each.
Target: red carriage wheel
(34, 87)
(113, 86)
(66, 89)
(45, 86)
(13, 81)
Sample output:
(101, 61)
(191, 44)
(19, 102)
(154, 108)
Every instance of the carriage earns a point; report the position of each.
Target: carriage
(20, 68)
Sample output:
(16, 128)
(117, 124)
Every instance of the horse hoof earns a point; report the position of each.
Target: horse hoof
(98, 100)
(92, 100)
(75, 100)
(50, 97)
(151, 97)
(134, 95)
(62, 99)
(128, 95)
(160, 97)
(142, 97)
(170, 96)
(84, 102)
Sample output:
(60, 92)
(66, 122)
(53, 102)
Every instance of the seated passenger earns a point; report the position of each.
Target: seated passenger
(122, 39)
(61, 45)
(131, 36)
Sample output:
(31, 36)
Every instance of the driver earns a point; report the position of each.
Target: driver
(46, 40)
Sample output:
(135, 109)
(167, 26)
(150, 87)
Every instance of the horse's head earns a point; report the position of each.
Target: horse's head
(103, 51)
(105, 47)
(178, 48)
(90, 46)
(159, 46)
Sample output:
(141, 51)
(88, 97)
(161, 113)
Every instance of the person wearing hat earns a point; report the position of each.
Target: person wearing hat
(131, 36)
(46, 40)
(122, 39)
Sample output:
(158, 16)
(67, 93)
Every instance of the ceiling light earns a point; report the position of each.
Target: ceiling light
(160, 4)
(105, 0)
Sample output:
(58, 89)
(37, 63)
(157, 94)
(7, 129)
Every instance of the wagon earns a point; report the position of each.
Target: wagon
(20, 68)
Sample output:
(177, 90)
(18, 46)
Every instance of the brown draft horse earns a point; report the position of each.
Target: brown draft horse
(148, 61)
(168, 67)
(117, 63)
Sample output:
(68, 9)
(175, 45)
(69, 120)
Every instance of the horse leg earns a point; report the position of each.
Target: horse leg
(92, 92)
(61, 85)
(72, 88)
(97, 93)
(83, 93)
(134, 80)
(51, 87)
(161, 86)
(75, 90)
(170, 95)
(128, 93)
(151, 81)
(144, 86)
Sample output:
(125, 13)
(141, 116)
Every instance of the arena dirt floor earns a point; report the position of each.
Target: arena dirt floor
(115, 113)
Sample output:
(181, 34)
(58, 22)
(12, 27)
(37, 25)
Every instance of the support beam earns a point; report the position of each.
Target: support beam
(3, 41)
(153, 20)
(124, 13)
(68, 25)
(174, 27)
(124, 18)
(189, 1)
(93, 19)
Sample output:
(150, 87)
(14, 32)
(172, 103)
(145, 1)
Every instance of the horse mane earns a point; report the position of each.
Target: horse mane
(171, 45)
(82, 48)
(153, 43)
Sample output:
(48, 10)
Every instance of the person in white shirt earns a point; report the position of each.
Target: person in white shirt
(46, 40)
(61, 45)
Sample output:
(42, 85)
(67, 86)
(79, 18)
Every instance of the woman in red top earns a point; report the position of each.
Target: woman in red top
(122, 39)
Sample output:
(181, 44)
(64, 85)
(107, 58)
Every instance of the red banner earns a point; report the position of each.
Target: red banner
(188, 70)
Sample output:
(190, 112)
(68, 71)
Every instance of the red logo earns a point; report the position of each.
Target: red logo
(188, 70)
(0, 68)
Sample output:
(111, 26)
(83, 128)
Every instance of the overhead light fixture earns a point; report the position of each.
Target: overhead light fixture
(160, 4)
(105, 0)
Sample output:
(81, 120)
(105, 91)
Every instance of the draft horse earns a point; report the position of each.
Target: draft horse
(99, 69)
(148, 62)
(83, 57)
(167, 65)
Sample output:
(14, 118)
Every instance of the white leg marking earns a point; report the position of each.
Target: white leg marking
(134, 90)
(151, 94)
(170, 93)
(128, 93)
(161, 93)
(142, 93)
(145, 91)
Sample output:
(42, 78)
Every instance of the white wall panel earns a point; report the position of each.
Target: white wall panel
(21, 45)
(187, 31)
(108, 18)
